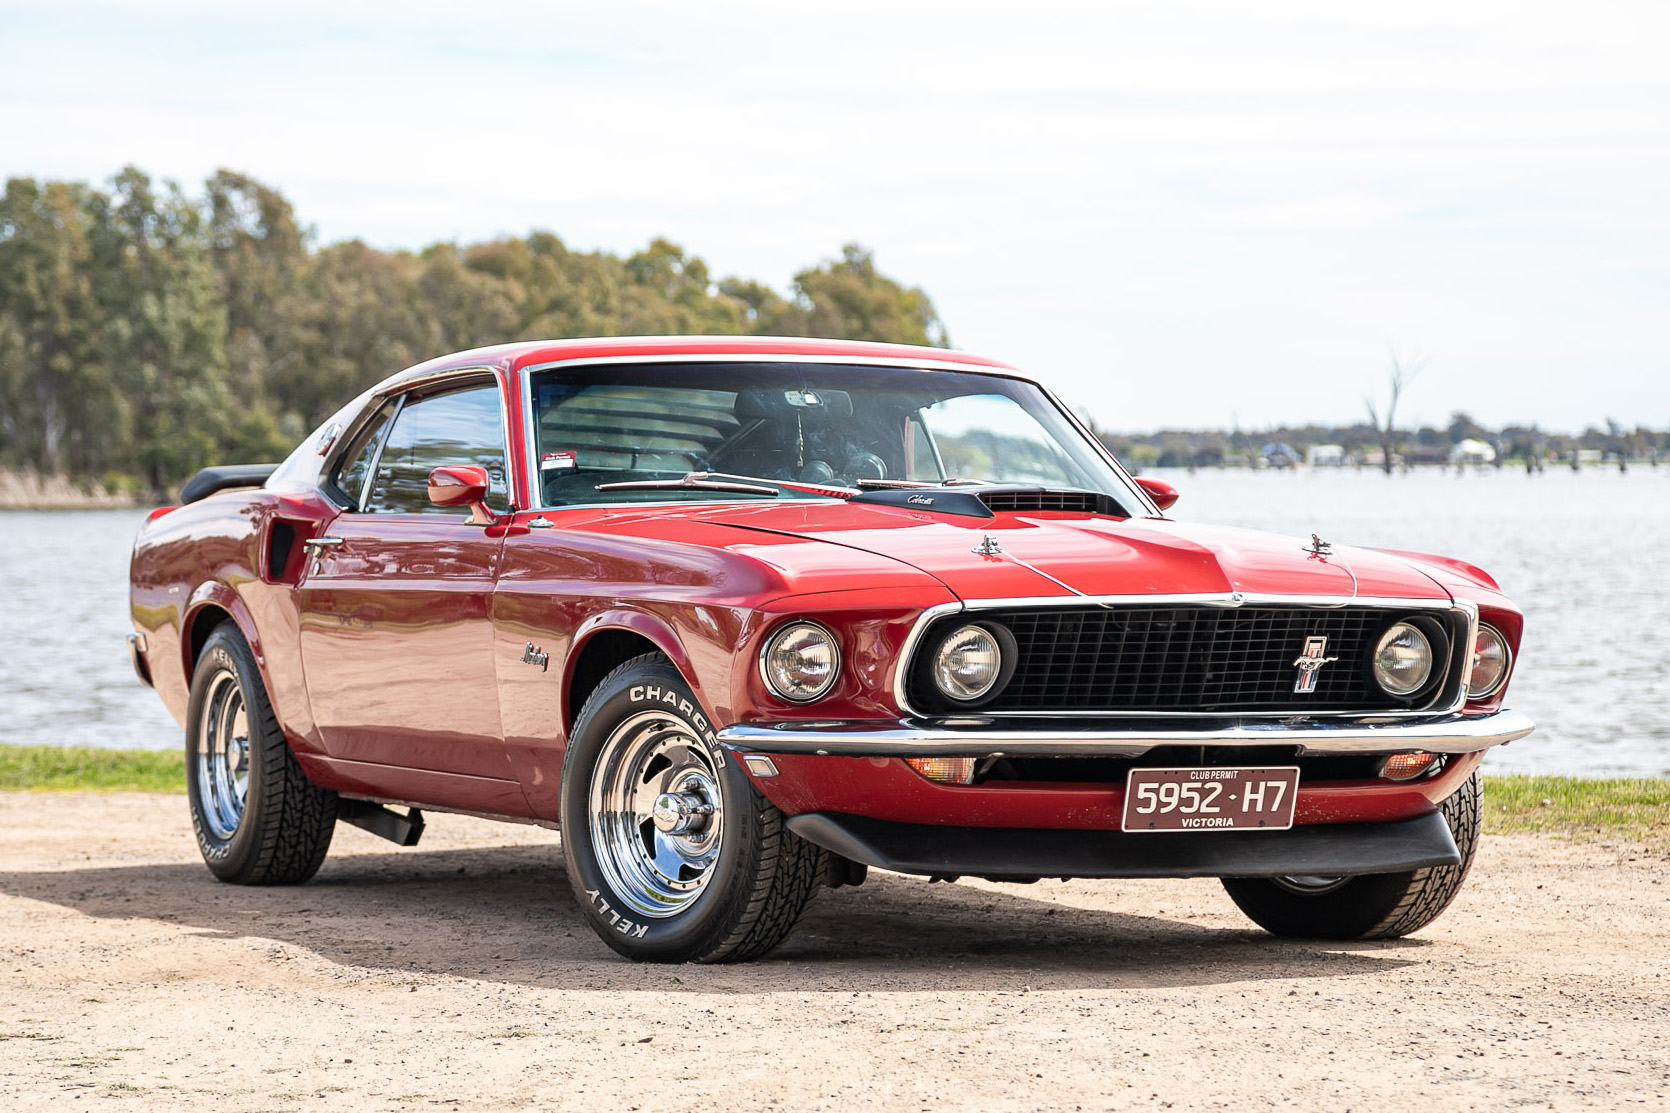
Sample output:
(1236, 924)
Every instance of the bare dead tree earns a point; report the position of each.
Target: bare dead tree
(1401, 372)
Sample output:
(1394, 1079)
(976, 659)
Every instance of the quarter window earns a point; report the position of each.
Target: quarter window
(354, 467)
(458, 427)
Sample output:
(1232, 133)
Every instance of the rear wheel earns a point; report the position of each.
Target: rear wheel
(673, 854)
(1373, 906)
(258, 819)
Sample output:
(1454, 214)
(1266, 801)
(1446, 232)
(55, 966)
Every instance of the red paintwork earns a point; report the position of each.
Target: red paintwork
(395, 660)
(887, 788)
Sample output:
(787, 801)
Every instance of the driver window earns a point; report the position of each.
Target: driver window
(458, 427)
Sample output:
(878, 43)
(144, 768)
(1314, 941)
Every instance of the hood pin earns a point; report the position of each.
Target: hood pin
(1318, 548)
(988, 546)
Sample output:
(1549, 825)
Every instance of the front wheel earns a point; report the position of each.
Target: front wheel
(259, 821)
(1373, 906)
(672, 853)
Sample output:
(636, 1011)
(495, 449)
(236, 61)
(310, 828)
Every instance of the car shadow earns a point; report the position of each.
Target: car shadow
(506, 914)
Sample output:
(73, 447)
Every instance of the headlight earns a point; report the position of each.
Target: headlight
(1403, 660)
(1491, 659)
(800, 661)
(968, 663)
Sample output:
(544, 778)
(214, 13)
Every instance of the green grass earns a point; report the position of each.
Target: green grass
(84, 769)
(1631, 809)
(1628, 809)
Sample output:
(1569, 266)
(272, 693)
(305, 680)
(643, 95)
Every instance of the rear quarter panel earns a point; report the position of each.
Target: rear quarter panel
(209, 557)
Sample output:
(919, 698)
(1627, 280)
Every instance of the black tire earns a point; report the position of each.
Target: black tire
(280, 830)
(1374, 906)
(756, 877)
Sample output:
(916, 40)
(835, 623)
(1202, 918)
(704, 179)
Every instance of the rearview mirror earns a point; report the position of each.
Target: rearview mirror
(462, 485)
(1163, 494)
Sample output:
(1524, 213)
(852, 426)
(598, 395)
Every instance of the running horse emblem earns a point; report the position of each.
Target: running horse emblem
(1310, 662)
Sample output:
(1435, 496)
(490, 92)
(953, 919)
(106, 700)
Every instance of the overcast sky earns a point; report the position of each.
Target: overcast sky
(1178, 214)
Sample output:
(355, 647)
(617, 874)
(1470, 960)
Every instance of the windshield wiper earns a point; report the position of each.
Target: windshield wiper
(698, 481)
(908, 484)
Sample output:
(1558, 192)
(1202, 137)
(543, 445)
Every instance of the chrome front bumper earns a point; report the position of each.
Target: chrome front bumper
(1445, 734)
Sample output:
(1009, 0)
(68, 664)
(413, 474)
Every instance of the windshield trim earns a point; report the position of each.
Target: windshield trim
(1141, 505)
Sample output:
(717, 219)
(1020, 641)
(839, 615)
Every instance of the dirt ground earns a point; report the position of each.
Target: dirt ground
(459, 975)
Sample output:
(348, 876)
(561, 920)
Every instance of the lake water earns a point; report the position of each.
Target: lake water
(1587, 556)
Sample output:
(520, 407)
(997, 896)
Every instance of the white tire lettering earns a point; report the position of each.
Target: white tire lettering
(636, 694)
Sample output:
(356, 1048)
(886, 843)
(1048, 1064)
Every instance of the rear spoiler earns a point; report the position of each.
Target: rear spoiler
(224, 478)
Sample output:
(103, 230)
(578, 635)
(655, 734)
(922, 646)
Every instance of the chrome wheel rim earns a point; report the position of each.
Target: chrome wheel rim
(657, 816)
(1310, 884)
(222, 756)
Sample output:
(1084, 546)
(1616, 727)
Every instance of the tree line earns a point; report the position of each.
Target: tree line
(1517, 445)
(145, 332)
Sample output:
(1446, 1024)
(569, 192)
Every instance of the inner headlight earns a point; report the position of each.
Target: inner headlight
(968, 663)
(800, 661)
(1403, 660)
(1491, 659)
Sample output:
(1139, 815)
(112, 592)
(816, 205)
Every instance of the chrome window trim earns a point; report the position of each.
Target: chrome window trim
(530, 461)
(405, 390)
(1444, 734)
(1230, 599)
(377, 457)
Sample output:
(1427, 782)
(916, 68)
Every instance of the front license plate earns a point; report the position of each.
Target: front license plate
(1210, 799)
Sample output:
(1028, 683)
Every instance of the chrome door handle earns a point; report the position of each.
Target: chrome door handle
(318, 543)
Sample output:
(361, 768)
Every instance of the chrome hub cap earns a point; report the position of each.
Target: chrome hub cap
(222, 756)
(656, 814)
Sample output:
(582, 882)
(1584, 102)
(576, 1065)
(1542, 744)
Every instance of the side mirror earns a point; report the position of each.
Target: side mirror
(1163, 494)
(462, 485)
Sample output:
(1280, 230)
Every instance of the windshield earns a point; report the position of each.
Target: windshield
(640, 430)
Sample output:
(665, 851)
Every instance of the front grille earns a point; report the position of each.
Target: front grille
(1207, 660)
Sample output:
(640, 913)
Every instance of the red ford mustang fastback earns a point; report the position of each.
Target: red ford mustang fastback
(744, 617)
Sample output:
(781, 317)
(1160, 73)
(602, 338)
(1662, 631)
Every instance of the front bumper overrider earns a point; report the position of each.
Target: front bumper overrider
(1444, 734)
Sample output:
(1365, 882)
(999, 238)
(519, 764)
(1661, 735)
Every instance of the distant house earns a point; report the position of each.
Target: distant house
(1325, 456)
(1419, 454)
(1279, 454)
(1471, 451)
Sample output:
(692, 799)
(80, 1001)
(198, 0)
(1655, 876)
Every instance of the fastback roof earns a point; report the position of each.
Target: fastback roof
(511, 357)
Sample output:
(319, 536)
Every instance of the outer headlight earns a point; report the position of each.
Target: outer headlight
(800, 661)
(1403, 659)
(967, 663)
(1491, 660)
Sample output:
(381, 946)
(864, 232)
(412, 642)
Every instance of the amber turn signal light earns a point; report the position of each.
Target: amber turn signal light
(1406, 767)
(945, 770)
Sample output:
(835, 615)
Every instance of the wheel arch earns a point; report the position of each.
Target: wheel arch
(210, 605)
(605, 642)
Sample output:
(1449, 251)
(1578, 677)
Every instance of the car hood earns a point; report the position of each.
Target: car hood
(1062, 554)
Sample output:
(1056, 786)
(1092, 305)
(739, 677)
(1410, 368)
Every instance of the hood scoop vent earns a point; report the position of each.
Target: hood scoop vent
(986, 502)
(1078, 502)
